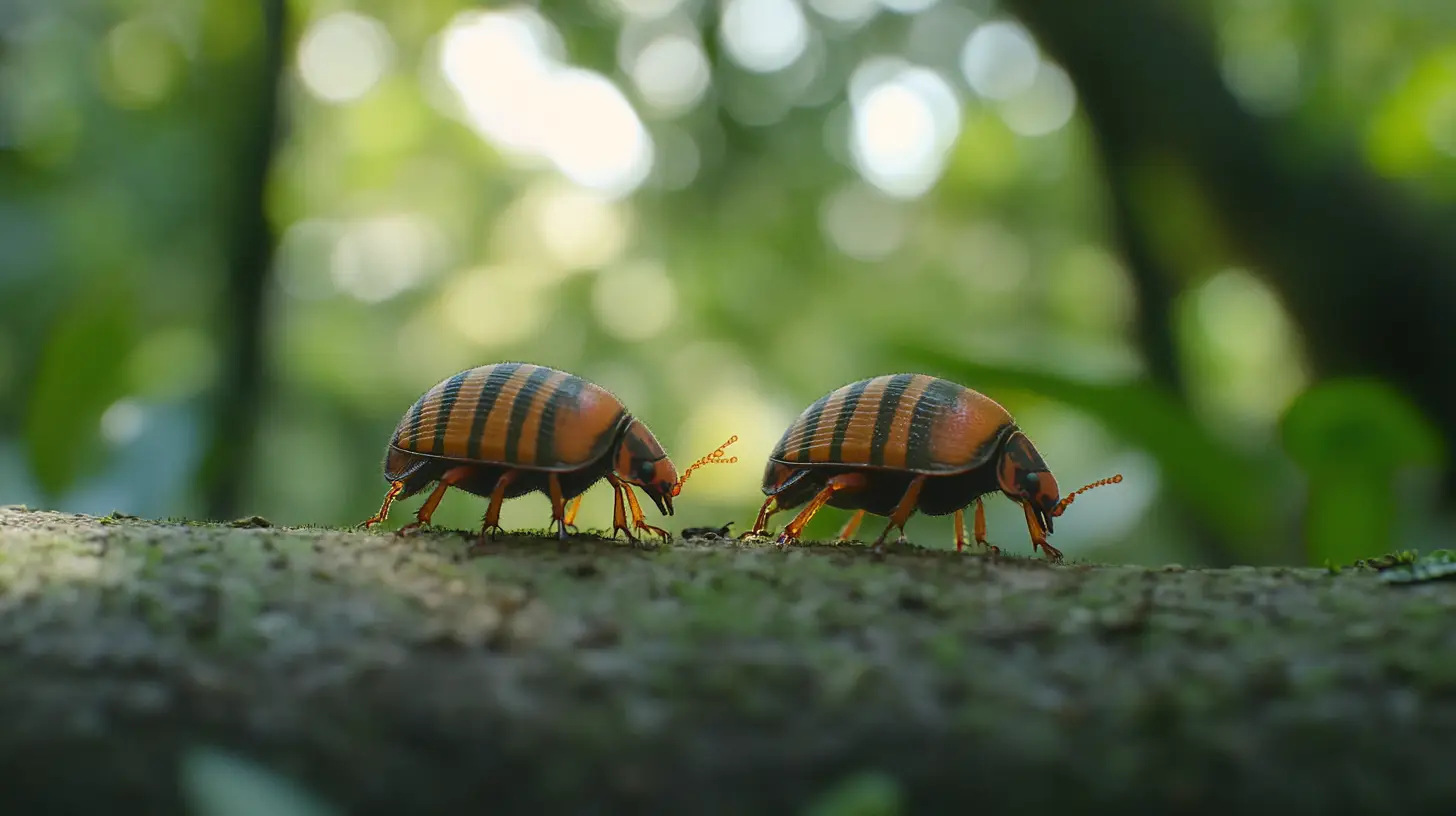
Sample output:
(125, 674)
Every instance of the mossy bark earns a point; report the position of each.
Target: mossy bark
(397, 675)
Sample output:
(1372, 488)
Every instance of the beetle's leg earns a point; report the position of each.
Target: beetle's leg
(619, 515)
(760, 525)
(902, 513)
(981, 529)
(844, 481)
(558, 505)
(491, 526)
(619, 511)
(571, 508)
(960, 528)
(394, 490)
(639, 519)
(850, 527)
(422, 516)
(1038, 539)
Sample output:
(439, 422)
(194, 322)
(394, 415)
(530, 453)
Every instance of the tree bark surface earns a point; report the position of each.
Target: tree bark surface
(388, 675)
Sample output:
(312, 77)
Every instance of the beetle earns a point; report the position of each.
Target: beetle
(707, 532)
(897, 443)
(504, 430)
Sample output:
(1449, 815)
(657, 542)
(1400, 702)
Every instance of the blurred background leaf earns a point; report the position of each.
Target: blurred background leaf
(81, 375)
(1353, 438)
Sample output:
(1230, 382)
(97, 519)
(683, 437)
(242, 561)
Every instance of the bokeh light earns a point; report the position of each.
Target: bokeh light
(1000, 60)
(764, 35)
(375, 259)
(343, 55)
(634, 300)
(143, 63)
(516, 94)
(905, 120)
(671, 73)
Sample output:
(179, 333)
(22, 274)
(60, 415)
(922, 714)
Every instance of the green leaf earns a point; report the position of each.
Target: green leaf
(81, 373)
(866, 794)
(1358, 424)
(218, 783)
(1351, 436)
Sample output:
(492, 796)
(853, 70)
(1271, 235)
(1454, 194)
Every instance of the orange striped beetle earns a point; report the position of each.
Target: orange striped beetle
(894, 444)
(508, 429)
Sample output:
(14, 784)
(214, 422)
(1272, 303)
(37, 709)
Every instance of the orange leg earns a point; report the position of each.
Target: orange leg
(852, 526)
(422, 517)
(960, 528)
(981, 529)
(903, 511)
(394, 491)
(639, 520)
(1038, 539)
(491, 525)
(844, 481)
(558, 506)
(619, 513)
(571, 508)
(760, 526)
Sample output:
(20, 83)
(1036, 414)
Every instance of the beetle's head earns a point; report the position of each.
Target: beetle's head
(1026, 479)
(641, 461)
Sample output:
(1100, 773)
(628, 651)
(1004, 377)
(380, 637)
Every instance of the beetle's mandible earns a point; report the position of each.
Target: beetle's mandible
(895, 444)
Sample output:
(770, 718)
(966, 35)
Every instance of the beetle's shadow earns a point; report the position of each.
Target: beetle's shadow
(463, 545)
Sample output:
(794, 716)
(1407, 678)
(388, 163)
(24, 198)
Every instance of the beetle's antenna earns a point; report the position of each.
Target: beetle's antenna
(714, 458)
(1067, 500)
(394, 491)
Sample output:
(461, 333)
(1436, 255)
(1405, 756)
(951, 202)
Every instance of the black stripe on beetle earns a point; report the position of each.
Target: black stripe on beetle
(811, 426)
(920, 446)
(488, 395)
(448, 396)
(566, 394)
(521, 408)
(411, 437)
(889, 406)
(846, 413)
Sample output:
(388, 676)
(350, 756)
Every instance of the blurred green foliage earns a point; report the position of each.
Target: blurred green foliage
(1353, 438)
(718, 210)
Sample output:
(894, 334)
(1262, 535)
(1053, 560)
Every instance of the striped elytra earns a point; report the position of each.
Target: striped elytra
(909, 422)
(509, 413)
(898, 444)
(508, 429)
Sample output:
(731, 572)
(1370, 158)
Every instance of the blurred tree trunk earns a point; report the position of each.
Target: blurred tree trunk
(1366, 277)
(247, 125)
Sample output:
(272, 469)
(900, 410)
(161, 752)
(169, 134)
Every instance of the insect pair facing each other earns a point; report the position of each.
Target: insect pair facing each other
(504, 430)
(895, 444)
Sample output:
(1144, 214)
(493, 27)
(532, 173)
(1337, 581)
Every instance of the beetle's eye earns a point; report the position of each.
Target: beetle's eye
(645, 470)
(1031, 480)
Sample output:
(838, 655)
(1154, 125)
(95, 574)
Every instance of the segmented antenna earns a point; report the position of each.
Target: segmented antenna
(1067, 500)
(714, 458)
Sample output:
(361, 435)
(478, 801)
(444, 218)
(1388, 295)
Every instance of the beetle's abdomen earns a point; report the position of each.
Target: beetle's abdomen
(512, 413)
(902, 421)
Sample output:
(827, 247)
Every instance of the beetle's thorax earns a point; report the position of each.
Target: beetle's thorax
(636, 447)
(1018, 460)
